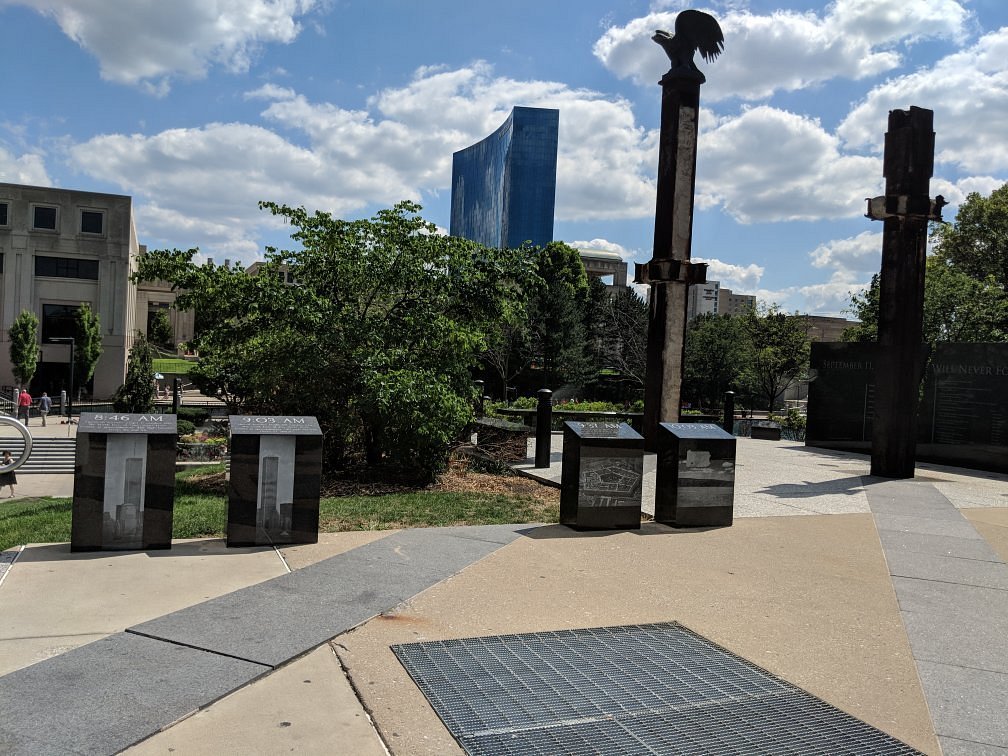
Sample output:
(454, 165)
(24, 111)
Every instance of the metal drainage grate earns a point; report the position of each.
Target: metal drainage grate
(639, 689)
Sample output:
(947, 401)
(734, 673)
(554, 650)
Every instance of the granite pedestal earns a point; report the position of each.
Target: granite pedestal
(695, 477)
(276, 480)
(603, 469)
(766, 430)
(124, 482)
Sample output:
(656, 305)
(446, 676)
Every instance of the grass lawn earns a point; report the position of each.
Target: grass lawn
(171, 365)
(201, 507)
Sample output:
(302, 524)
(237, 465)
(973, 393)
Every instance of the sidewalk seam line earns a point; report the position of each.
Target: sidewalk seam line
(282, 560)
(6, 572)
(962, 666)
(198, 648)
(950, 582)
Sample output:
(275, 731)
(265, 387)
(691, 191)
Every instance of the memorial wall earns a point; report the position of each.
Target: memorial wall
(962, 416)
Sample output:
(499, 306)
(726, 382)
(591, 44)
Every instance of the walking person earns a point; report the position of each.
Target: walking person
(24, 406)
(44, 405)
(7, 478)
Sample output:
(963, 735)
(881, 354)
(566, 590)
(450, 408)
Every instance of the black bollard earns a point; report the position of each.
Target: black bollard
(480, 408)
(544, 428)
(728, 422)
(176, 395)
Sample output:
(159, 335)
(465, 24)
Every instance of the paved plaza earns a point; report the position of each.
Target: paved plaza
(886, 599)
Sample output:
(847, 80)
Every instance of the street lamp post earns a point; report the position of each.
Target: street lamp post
(68, 340)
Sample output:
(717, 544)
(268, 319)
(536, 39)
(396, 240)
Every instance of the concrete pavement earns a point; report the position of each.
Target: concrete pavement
(894, 617)
(39, 485)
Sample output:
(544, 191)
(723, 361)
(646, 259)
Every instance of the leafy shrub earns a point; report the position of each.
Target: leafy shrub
(195, 415)
(415, 418)
(525, 402)
(793, 419)
(531, 402)
(185, 428)
(202, 438)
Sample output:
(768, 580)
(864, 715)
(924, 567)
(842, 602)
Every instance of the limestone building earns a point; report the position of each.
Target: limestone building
(58, 248)
(608, 266)
(730, 303)
(702, 299)
(62, 247)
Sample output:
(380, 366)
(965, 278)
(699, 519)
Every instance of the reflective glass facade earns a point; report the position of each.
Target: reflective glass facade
(504, 187)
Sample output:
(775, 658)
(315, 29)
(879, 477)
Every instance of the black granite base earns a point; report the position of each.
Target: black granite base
(602, 476)
(695, 476)
(293, 521)
(123, 503)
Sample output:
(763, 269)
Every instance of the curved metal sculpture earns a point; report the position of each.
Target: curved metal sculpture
(694, 30)
(25, 453)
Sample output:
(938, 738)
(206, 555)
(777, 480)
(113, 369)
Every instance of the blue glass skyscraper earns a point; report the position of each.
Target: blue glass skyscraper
(504, 187)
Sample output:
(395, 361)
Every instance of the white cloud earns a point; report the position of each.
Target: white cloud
(202, 185)
(788, 50)
(150, 41)
(408, 136)
(397, 148)
(858, 254)
(740, 278)
(28, 168)
(604, 245)
(954, 192)
(771, 165)
(831, 298)
(968, 92)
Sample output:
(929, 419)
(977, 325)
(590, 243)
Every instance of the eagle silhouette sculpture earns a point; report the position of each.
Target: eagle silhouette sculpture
(694, 30)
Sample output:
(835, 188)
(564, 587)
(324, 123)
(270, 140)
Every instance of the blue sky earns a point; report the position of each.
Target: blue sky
(200, 108)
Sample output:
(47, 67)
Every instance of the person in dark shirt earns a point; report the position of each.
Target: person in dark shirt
(44, 405)
(7, 478)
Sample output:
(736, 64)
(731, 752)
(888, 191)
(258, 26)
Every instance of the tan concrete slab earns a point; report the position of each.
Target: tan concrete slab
(992, 524)
(808, 598)
(40, 485)
(53, 600)
(306, 706)
(329, 545)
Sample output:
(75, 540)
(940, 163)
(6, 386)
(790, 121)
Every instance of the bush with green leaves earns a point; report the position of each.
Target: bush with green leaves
(378, 339)
(185, 427)
(24, 346)
(137, 393)
(416, 418)
(195, 415)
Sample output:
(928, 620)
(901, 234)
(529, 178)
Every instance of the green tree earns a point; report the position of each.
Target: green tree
(509, 350)
(779, 351)
(966, 278)
(556, 315)
(23, 336)
(622, 339)
(87, 343)
(957, 307)
(717, 357)
(159, 330)
(137, 392)
(976, 244)
(864, 306)
(378, 338)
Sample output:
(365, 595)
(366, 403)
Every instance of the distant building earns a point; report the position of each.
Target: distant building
(821, 328)
(608, 266)
(730, 303)
(62, 247)
(703, 299)
(504, 187)
(282, 273)
(159, 296)
(58, 248)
